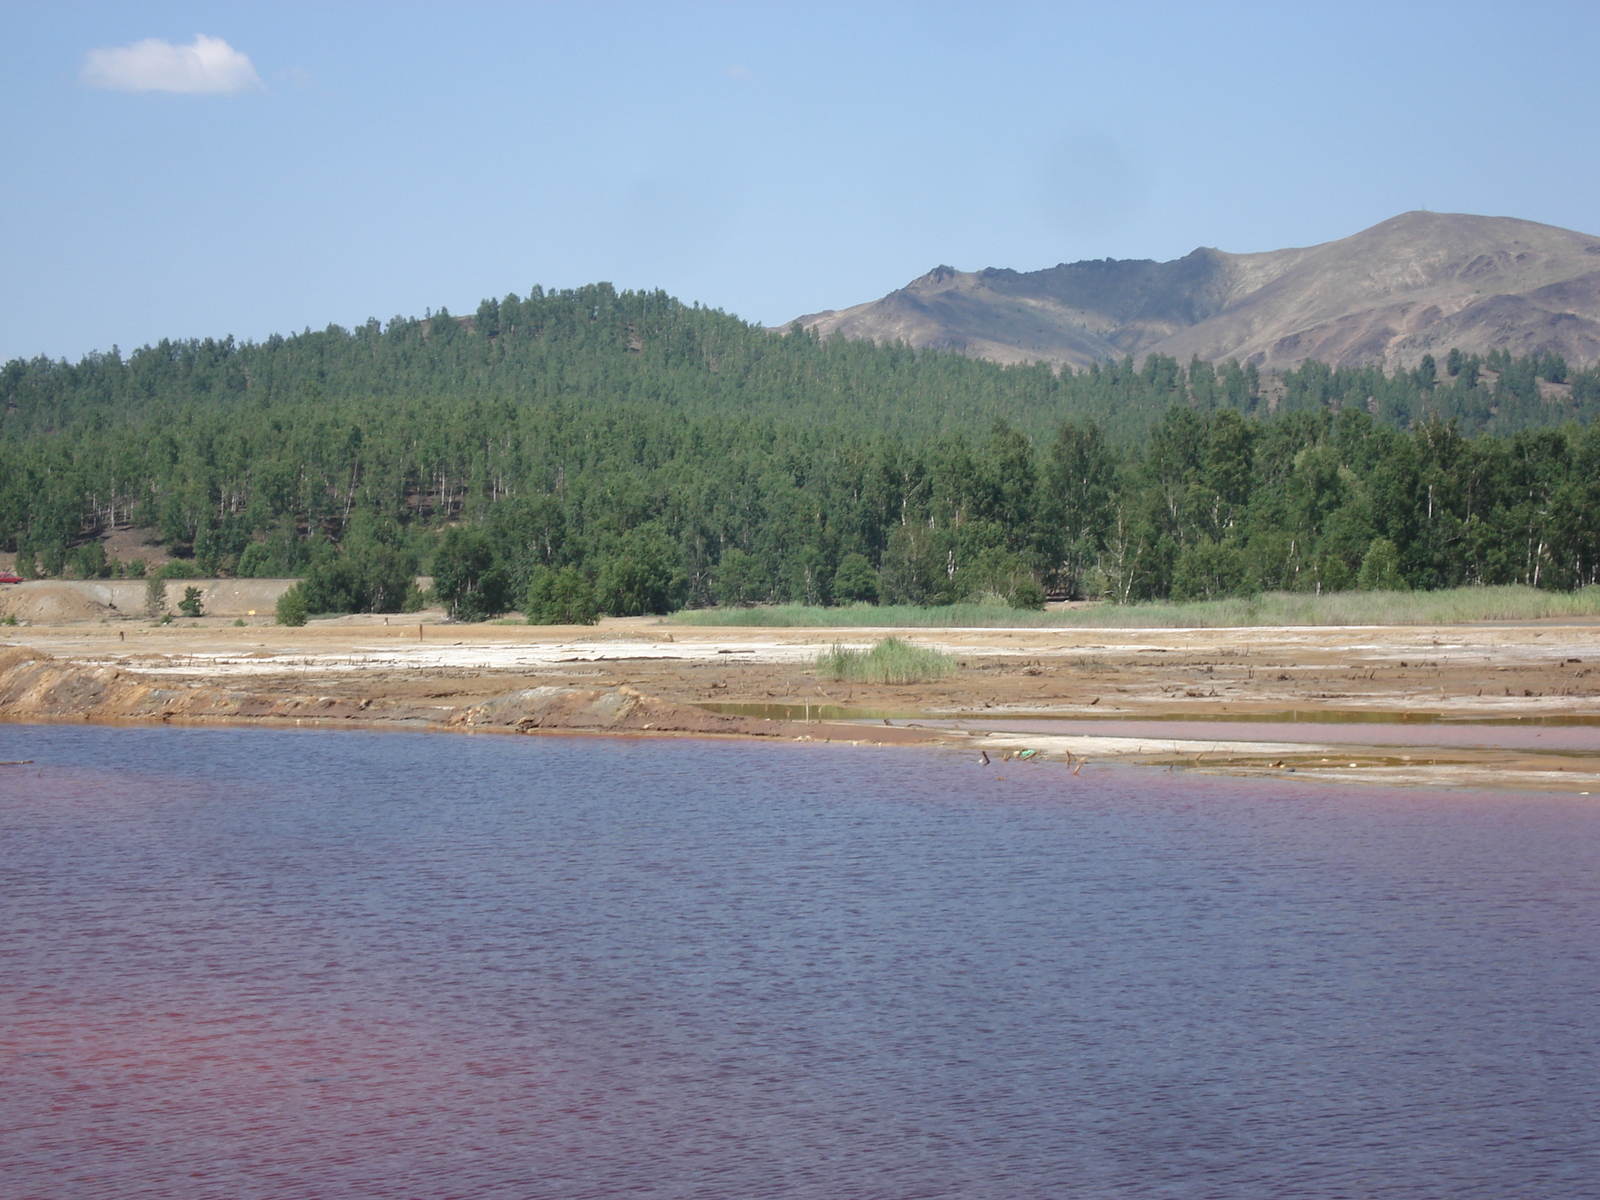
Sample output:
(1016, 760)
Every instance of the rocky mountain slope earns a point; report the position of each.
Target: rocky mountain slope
(1416, 284)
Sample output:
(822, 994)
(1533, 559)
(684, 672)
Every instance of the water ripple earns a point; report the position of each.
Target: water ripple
(265, 964)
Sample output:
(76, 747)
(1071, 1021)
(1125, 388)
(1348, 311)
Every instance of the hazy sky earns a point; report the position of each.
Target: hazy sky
(181, 170)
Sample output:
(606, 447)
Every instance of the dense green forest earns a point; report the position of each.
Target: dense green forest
(586, 450)
(592, 346)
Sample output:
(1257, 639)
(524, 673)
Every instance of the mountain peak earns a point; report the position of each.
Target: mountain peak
(1418, 283)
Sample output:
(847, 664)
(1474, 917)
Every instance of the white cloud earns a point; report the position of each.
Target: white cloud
(206, 65)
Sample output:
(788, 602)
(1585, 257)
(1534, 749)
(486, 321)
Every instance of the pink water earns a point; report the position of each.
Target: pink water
(260, 964)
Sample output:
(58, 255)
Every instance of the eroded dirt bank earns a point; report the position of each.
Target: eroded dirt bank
(39, 687)
(648, 677)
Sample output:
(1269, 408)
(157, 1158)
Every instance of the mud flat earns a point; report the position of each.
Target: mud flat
(1489, 705)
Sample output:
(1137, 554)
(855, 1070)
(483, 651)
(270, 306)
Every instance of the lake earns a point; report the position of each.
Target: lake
(260, 963)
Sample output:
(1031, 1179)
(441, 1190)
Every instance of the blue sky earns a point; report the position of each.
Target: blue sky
(331, 162)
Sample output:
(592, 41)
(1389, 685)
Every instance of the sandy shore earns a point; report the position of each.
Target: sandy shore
(1493, 705)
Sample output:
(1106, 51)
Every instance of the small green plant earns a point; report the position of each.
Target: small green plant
(238, 622)
(136, 568)
(166, 618)
(292, 607)
(890, 661)
(155, 596)
(9, 619)
(190, 605)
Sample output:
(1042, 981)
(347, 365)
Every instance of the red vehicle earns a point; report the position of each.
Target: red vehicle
(9, 577)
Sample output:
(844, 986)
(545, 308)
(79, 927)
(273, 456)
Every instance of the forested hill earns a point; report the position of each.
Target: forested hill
(592, 346)
(586, 450)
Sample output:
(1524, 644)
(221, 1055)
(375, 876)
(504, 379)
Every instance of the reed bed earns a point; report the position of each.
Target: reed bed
(867, 616)
(1447, 606)
(890, 661)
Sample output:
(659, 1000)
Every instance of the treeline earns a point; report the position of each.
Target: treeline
(625, 507)
(595, 349)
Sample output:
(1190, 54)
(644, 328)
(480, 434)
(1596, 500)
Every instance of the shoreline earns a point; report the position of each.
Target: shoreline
(1383, 699)
(1488, 769)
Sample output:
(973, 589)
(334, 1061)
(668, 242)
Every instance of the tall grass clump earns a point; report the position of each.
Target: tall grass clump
(890, 661)
(870, 616)
(1447, 606)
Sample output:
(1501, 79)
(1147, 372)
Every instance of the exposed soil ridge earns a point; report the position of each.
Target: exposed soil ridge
(620, 709)
(38, 687)
(35, 686)
(1023, 697)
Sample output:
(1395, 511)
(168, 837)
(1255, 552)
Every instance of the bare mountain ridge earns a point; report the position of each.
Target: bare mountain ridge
(1420, 283)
